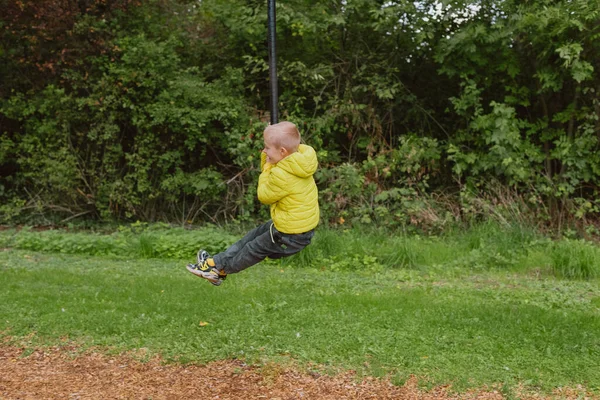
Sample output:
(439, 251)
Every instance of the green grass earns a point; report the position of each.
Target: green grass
(432, 315)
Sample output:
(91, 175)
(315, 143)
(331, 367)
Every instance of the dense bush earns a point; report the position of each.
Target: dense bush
(423, 113)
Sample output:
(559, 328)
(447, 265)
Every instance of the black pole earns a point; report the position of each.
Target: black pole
(273, 62)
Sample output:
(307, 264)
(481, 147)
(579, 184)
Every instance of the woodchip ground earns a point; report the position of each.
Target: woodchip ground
(63, 374)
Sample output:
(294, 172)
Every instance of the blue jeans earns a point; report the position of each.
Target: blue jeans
(258, 244)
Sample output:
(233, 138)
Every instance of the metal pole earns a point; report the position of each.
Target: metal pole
(273, 62)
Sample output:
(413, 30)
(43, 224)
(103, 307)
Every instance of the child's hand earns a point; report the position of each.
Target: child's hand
(267, 166)
(265, 163)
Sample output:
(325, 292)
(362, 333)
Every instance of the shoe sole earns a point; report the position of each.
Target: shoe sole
(200, 274)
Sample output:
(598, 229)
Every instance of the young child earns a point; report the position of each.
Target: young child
(287, 185)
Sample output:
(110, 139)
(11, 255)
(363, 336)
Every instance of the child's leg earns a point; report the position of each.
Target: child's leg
(290, 244)
(225, 260)
(260, 243)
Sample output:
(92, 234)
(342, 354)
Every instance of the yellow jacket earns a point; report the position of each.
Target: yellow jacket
(290, 189)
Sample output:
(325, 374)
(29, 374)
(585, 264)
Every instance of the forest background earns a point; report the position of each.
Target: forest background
(424, 113)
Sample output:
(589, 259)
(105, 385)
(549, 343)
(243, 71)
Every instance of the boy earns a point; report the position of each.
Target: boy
(287, 185)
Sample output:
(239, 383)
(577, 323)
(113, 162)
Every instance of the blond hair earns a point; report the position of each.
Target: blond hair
(284, 134)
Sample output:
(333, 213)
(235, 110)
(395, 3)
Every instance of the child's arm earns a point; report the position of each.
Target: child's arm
(271, 183)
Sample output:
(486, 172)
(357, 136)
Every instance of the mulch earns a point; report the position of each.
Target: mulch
(59, 374)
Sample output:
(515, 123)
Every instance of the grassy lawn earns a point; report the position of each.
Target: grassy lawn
(444, 325)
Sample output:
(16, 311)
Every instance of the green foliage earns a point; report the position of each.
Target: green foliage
(154, 110)
(389, 189)
(526, 107)
(96, 166)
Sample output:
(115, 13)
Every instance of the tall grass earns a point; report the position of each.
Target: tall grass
(575, 259)
(483, 246)
(355, 249)
(480, 247)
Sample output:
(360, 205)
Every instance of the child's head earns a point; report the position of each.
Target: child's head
(281, 140)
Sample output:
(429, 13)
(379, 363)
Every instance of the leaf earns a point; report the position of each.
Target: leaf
(582, 70)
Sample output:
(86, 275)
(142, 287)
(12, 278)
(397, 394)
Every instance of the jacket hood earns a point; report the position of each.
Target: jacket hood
(302, 163)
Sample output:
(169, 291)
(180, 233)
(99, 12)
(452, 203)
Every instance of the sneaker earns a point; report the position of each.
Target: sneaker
(204, 270)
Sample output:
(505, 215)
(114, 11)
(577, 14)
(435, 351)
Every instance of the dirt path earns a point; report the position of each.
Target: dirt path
(54, 374)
